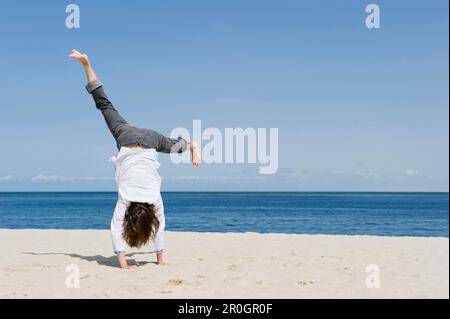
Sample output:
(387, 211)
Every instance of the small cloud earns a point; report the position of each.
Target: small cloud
(368, 175)
(7, 178)
(292, 173)
(55, 178)
(338, 172)
(198, 178)
(411, 172)
(185, 178)
(216, 178)
(44, 178)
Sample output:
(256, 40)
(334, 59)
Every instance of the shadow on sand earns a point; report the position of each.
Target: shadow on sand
(100, 260)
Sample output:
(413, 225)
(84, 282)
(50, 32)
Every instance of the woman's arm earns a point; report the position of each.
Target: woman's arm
(119, 244)
(159, 236)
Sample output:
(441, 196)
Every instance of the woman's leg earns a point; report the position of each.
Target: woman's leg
(116, 123)
(112, 117)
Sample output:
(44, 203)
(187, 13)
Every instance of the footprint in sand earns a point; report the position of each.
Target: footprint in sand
(234, 267)
(175, 282)
(200, 279)
(165, 292)
(346, 270)
(40, 265)
(138, 289)
(331, 257)
(292, 264)
(11, 270)
(231, 279)
(304, 283)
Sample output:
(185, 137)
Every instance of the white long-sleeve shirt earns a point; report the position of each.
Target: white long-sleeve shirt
(137, 180)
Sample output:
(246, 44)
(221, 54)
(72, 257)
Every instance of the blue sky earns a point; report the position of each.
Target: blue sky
(356, 109)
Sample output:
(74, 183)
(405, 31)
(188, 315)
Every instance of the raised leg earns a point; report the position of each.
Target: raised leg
(112, 117)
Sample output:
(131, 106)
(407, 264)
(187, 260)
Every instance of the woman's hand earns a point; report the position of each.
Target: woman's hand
(159, 259)
(123, 262)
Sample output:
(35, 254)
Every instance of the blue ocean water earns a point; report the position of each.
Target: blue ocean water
(386, 214)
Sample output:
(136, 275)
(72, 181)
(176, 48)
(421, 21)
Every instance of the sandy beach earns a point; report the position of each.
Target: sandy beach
(44, 263)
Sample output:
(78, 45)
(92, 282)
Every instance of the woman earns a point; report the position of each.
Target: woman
(139, 213)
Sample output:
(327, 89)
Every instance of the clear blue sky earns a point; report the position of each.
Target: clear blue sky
(356, 109)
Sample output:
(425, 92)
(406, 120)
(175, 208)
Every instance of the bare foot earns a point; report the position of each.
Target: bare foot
(83, 58)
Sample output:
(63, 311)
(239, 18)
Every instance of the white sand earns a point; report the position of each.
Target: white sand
(214, 265)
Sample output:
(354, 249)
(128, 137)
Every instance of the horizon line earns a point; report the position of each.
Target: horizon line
(243, 191)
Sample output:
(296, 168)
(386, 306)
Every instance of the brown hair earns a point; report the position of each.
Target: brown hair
(140, 224)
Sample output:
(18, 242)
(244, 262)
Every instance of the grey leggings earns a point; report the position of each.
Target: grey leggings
(127, 135)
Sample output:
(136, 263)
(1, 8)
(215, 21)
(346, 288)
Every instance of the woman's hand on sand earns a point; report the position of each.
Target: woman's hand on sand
(160, 259)
(76, 55)
(129, 267)
(196, 160)
(123, 262)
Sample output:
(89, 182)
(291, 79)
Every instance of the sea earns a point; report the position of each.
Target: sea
(348, 213)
